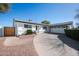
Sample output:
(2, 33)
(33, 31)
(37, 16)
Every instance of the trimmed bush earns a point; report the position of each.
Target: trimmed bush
(74, 34)
(29, 32)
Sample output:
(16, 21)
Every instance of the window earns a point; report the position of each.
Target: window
(44, 27)
(27, 26)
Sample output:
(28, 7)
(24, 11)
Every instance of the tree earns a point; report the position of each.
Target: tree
(77, 14)
(77, 17)
(45, 22)
(4, 7)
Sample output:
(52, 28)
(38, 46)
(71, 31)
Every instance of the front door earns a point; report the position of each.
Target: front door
(36, 27)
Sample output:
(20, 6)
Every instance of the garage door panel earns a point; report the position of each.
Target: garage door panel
(57, 30)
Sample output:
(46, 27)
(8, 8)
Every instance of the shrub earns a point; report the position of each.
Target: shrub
(29, 32)
(74, 34)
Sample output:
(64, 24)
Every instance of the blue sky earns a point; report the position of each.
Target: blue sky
(53, 12)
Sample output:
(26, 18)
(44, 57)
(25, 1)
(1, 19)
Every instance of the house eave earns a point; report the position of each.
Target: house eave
(57, 24)
(30, 22)
(63, 24)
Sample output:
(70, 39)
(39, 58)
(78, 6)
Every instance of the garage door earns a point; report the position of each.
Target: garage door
(57, 30)
(9, 31)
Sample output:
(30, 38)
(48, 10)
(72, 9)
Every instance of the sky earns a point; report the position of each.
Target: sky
(37, 12)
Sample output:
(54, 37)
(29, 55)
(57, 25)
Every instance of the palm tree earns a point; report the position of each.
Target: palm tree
(77, 17)
(4, 7)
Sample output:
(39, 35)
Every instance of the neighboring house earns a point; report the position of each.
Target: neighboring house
(22, 26)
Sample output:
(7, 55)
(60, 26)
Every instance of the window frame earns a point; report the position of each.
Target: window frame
(27, 26)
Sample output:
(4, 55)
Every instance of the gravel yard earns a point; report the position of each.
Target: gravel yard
(25, 49)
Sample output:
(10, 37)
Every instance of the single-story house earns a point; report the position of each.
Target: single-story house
(22, 26)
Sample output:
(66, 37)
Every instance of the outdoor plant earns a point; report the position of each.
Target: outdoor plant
(29, 31)
(4, 7)
(72, 33)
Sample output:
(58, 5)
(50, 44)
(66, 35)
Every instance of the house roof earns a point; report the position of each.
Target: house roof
(57, 24)
(64, 23)
(29, 22)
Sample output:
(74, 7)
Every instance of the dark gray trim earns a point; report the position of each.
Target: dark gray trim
(57, 24)
(63, 24)
(30, 22)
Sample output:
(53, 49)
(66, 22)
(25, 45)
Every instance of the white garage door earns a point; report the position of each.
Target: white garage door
(57, 30)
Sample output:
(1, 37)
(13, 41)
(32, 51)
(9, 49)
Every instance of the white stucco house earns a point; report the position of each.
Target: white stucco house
(22, 26)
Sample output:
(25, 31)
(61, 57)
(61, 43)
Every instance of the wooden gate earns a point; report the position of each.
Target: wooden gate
(9, 31)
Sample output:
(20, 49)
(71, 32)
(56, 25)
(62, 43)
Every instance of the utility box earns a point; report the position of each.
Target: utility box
(1, 32)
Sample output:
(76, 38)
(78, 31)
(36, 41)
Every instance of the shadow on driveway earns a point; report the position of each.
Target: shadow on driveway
(70, 42)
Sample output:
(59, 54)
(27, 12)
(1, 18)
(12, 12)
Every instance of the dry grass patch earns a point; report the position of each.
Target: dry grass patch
(26, 49)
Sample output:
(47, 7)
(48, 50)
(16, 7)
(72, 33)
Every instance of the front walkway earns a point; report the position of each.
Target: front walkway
(55, 45)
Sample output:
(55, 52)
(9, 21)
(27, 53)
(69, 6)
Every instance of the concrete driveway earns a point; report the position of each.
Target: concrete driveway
(55, 45)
